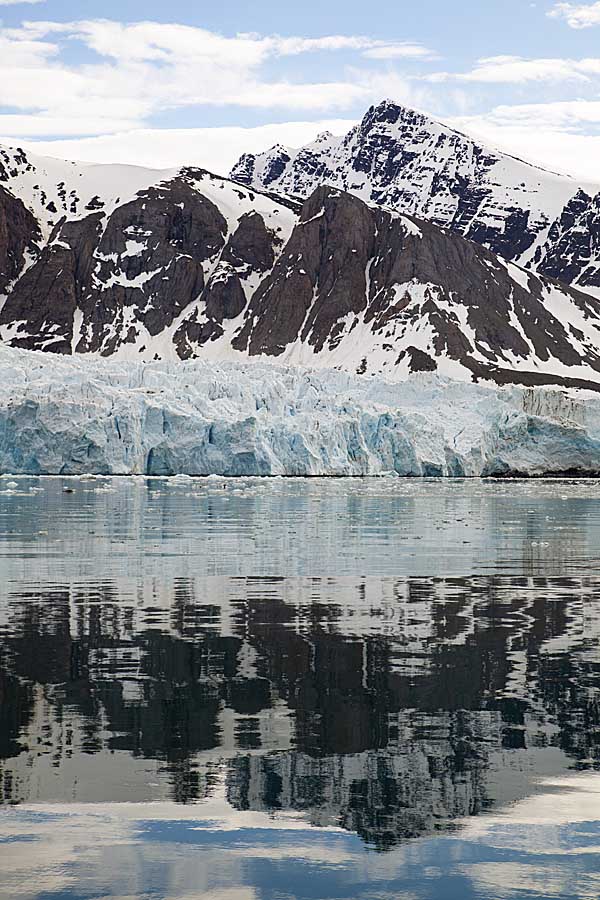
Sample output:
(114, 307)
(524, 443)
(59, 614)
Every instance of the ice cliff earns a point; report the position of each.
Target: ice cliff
(67, 415)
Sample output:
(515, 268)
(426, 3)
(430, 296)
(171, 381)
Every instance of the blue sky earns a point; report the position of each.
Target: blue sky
(166, 83)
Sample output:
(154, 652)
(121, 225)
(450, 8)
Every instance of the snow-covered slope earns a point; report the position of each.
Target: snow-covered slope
(183, 264)
(55, 189)
(409, 162)
(72, 415)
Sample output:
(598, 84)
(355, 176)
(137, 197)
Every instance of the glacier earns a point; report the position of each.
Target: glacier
(71, 416)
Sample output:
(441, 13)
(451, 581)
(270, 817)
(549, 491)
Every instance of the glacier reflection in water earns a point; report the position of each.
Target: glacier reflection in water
(299, 689)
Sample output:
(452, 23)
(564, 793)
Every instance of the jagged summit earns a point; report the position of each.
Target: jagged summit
(405, 160)
(324, 137)
(391, 112)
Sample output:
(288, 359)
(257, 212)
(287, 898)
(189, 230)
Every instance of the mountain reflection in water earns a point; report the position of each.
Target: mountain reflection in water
(319, 708)
(385, 706)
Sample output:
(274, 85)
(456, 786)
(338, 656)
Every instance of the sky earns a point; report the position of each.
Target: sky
(163, 84)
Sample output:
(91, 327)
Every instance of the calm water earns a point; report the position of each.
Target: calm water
(249, 690)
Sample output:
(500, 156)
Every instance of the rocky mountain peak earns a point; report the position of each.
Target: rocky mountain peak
(324, 137)
(406, 161)
(389, 112)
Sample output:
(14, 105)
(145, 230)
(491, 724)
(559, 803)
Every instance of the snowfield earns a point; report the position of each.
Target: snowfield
(65, 415)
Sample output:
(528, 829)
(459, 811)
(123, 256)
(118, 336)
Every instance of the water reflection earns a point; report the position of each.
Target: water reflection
(293, 717)
(162, 851)
(387, 707)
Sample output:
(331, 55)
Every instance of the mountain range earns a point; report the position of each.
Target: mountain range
(403, 246)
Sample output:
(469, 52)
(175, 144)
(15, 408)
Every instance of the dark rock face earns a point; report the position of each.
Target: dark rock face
(143, 264)
(344, 263)
(403, 160)
(419, 361)
(572, 250)
(45, 298)
(149, 265)
(19, 234)
(250, 251)
(44, 303)
(122, 273)
(12, 163)
(310, 289)
(117, 268)
(276, 168)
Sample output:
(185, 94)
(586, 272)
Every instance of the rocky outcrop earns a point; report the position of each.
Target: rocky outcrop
(350, 268)
(249, 254)
(19, 236)
(122, 274)
(149, 265)
(571, 252)
(406, 161)
(40, 311)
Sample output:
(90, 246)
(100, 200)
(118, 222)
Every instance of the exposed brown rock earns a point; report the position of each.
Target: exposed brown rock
(249, 251)
(171, 262)
(19, 233)
(345, 257)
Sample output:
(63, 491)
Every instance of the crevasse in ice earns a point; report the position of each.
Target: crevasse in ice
(64, 415)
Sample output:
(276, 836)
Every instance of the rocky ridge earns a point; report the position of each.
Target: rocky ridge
(406, 161)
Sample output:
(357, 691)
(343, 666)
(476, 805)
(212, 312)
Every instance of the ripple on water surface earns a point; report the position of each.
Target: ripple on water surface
(141, 526)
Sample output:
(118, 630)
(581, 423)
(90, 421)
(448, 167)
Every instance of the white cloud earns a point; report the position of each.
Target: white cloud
(543, 839)
(19, 50)
(216, 149)
(103, 107)
(567, 115)
(15, 127)
(19, 2)
(562, 136)
(517, 70)
(135, 71)
(373, 49)
(550, 135)
(399, 51)
(157, 41)
(577, 15)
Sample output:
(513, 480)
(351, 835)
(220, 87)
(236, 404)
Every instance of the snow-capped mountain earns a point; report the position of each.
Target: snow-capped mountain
(104, 257)
(408, 162)
(362, 288)
(184, 264)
